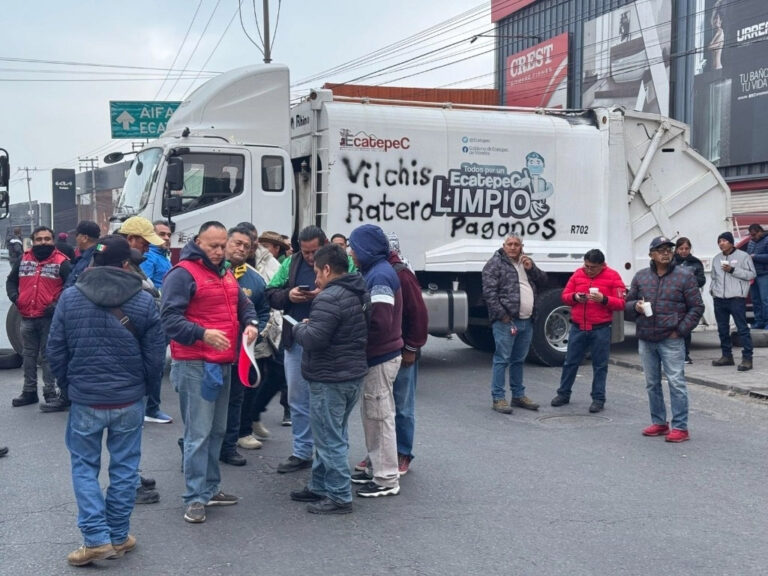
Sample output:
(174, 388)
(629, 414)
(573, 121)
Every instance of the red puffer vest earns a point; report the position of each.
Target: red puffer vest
(213, 306)
(40, 283)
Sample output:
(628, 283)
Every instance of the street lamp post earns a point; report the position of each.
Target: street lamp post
(505, 36)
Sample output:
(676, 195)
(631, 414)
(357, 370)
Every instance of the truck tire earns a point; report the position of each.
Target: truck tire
(13, 329)
(479, 338)
(9, 359)
(550, 329)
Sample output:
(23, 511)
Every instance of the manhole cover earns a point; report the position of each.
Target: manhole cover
(573, 420)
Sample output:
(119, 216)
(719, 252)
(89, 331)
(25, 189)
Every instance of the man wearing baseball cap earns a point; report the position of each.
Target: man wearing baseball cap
(140, 233)
(675, 310)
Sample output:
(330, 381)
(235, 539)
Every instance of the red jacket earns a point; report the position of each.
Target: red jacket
(587, 314)
(214, 306)
(40, 283)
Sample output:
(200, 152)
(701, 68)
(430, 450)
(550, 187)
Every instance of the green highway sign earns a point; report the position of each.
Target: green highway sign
(135, 119)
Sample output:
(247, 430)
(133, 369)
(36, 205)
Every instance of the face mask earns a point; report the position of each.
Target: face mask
(42, 251)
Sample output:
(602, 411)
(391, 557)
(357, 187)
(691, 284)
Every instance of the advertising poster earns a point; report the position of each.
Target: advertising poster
(730, 87)
(64, 207)
(626, 57)
(538, 77)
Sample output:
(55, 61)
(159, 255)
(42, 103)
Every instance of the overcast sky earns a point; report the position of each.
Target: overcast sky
(49, 124)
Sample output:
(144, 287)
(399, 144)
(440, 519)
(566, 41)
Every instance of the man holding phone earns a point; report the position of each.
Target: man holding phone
(594, 293)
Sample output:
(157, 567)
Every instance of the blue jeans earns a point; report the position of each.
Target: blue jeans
(668, 354)
(759, 293)
(404, 391)
(724, 309)
(298, 399)
(204, 426)
(510, 351)
(104, 520)
(330, 406)
(34, 338)
(598, 342)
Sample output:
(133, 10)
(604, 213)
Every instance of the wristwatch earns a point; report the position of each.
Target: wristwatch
(254, 323)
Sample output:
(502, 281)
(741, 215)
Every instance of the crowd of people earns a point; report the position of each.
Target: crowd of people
(333, 324)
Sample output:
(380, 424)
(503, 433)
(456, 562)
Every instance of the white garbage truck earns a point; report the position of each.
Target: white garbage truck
(451, 180)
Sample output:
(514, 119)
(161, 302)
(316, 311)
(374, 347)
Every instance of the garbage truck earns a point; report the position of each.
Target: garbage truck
(452, 181)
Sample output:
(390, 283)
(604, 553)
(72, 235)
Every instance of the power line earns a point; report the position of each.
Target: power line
(186, 34)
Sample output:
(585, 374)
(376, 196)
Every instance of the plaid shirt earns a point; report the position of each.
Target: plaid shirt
(675, 300)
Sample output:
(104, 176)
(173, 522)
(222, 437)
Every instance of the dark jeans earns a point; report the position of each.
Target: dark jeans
(724, 309)
(234, 408)
(256, 400)
(598, 342)
(153, 394)
(34, 336)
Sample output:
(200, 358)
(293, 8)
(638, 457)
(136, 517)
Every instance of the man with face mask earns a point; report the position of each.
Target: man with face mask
(35, 285)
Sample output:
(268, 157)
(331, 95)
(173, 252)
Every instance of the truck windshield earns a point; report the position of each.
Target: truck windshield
(139, 182)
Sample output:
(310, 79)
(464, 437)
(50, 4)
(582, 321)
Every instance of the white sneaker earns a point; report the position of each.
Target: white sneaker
(249, 442)
(259, 430)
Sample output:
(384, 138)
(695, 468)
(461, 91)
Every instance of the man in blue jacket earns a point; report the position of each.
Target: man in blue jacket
(370, 251)
(758, 251)
(157, 260)
(105, 341)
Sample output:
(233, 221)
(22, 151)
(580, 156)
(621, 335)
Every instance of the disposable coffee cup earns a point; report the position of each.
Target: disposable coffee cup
(455, 285)
(647, 309)
(594, 290)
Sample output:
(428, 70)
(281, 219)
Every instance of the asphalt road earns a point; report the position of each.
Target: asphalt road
(554, 492)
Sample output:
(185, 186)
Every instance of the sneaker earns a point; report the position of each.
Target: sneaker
(525, 402)
(233, 458)
(158, 417)
(85, 555)
(286, 421)
(363, 465)
(560, 401)
(688, 359)
(676, 435)
(222, 499)
(502, 406)
(55, 405)
(328, 506)
(373, 490)
(596, 407)
(746, 364)
(656, 430)
(122, 549)
(723, 361)
(403, 463)
(195, 513)
(249, 442)
(145, 496)
(293, 464)
(24, 399)
(305, 495)
(259, 430)
(361, 478)
(148, 483)
(3, 451)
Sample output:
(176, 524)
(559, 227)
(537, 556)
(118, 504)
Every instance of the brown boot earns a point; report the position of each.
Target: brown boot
(746, 364)
(724, 361)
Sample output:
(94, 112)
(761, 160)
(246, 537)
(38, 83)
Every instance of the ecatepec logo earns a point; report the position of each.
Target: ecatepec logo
(364, 141)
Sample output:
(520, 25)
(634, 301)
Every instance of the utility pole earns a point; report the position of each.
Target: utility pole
(267, 50)
(91, 163)
(30, 212)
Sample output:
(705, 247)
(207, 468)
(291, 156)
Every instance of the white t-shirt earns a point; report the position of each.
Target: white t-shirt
(526, 291)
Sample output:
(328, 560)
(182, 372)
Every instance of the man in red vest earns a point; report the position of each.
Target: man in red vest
(203, 311)
(34, 285)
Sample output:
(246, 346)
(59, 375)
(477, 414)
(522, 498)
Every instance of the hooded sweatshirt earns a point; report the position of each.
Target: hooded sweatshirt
(371, 249)
(97, 359)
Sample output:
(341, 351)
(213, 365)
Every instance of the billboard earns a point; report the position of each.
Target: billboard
(730, 86)
(503, 8)
(63, 194)
(538, 76)
(626, 57)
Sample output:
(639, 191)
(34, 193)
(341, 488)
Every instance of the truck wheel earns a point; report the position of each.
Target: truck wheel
(479, 337)
(550, 329)
(13, 329)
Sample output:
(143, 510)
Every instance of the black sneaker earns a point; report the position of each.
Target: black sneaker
(596, 407)
(3, 451)
(55, 405)
(286, 421)
(148, 483)
(373, 490)
(233, 458)
(560, 401)
(305, 495)
(222, 499)
(144, 496)
(293, 464)
(361, 478)
(688, 359)
(24, 399)
(328, 506)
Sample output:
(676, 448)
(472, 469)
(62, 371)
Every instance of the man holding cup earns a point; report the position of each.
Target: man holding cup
(594, 293)
(732, 271)
(668, 305)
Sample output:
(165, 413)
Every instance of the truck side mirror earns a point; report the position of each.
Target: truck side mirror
(4, 171)
(5, 176)
(171, 205)
(174, 174)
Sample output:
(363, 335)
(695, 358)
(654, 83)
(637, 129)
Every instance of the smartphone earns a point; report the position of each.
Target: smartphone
(304, 287)
(290, 319)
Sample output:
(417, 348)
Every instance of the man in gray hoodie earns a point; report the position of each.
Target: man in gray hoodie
(732, 271)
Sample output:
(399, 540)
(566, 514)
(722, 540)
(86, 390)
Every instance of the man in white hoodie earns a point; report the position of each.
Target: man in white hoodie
(732, 271)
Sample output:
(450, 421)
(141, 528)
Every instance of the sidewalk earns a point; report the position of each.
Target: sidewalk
(705, 347)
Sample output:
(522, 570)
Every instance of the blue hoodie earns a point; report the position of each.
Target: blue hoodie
(371, 251)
